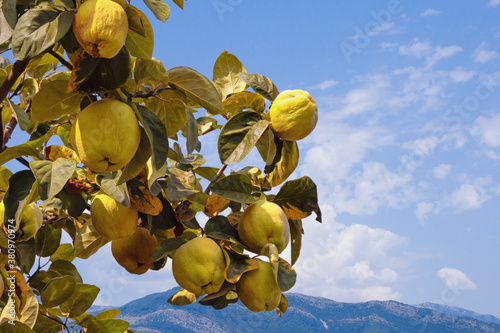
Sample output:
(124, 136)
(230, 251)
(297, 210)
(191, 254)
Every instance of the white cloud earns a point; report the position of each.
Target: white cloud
(422, 210)
(443, 53)
(325, 84)
(416, 49)
(388, 45)
(487, 130)
(430, 12)
(461, 75)
(442, 171)
(494, 3)
(349, 263)
(471, 195)
(455, 279)
(482, 54)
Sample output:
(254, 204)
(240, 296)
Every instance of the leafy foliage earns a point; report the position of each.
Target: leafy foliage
(52, 82)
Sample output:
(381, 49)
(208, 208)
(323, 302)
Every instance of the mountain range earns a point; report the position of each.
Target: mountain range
(153, 314)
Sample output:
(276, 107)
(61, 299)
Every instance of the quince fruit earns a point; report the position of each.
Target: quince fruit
(261, 223)
(111, 219)
(258, 289)
(106, 135)
(101, 27)
(135, 252)
(198, 266)
(293, 115)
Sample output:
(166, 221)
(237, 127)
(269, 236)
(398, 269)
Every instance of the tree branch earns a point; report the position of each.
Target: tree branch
(61, 59)
(16, 71)
(216, 178)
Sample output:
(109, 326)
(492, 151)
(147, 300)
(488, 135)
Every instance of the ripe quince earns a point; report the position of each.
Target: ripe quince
(106, 135)
(101, 27)
(258, 289)
(198, 266)
(293, 115)
(261, 223)
(111, 219)
(135, 252)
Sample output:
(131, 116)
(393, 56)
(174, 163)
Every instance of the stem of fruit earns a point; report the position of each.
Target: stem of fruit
(216, 177)
(271, 251)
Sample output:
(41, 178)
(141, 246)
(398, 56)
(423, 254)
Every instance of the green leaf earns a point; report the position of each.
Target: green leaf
(151, 70)
(170, 109)
(52, 176)
(63, 268)
(39, 29)
(46, 325)
(4, 178)
(182, 297)
(137, 163)
(29, 313)
(81, 300)
(25, 255)
(159, 8)
(166, 246)
(284, 165)
(99, 74)
(64, 252)
(74, 202)
(107, 326)
(225, 74)
(196, 87)
(236, 265)
(261, 85)
(299, 198)
(220, 224)
(157, 135)
(192, 132)
(52, 101)
(8, 19)
(88, 241)
(243, 101)
(24, 149)
(17, 327)
(296, 238)
(18, 194)
(286, 275)
(235, 187)
(239, 135)
(139, 45)
(107, 181)
(57, 291)
(22, 118)
(108, 314)
(47, 240)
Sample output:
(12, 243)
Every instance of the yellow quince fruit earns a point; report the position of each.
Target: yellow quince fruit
(135, 252)
(293, 115)
(198, 266)
(111, 219)
(106, 135)
(258, 289)
(264, 222)
(101, 27)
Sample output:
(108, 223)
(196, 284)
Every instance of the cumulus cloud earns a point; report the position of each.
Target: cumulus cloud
(486, 129)
(430, 12)
(455, 279)
(482, 54)
(416, 49)
(388, 45)
(461, 75)
(472, 195)
(442, 171)
(422, 210)
(494, 3)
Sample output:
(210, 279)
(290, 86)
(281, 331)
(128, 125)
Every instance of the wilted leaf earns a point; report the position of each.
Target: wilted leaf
(283, 306)
(215, 204)
(298, 199)
(52, 101)
(225, 74)
(197, 87)
(142, 198)
(261, 85)
(182, 297)
(54, 152)
(239, 135)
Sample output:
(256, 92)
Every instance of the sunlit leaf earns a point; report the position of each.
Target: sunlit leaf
(182, 297)
(225, 74)
(298, 199)
(8, 19)
(52, 101)
(235, 187)
(52, 176)
(81, 299)
(139, 45)
(159, 8)
(243, 101)
(286, 275)
(261, 85)
(57, 291)
(88, 241)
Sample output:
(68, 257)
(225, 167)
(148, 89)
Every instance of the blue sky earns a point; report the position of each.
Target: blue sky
(406, 152)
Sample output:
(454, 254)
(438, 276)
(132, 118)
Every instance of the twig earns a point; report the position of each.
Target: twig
(7, 132)
(216, 177)
(16, 71)
(61, 59)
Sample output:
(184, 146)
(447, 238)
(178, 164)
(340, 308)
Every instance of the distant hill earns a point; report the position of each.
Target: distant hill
(459, 312)
(153, 314)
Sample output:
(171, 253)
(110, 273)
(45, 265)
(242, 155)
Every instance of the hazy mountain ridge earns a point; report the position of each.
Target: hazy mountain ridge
(153, 314)
(459, 312)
